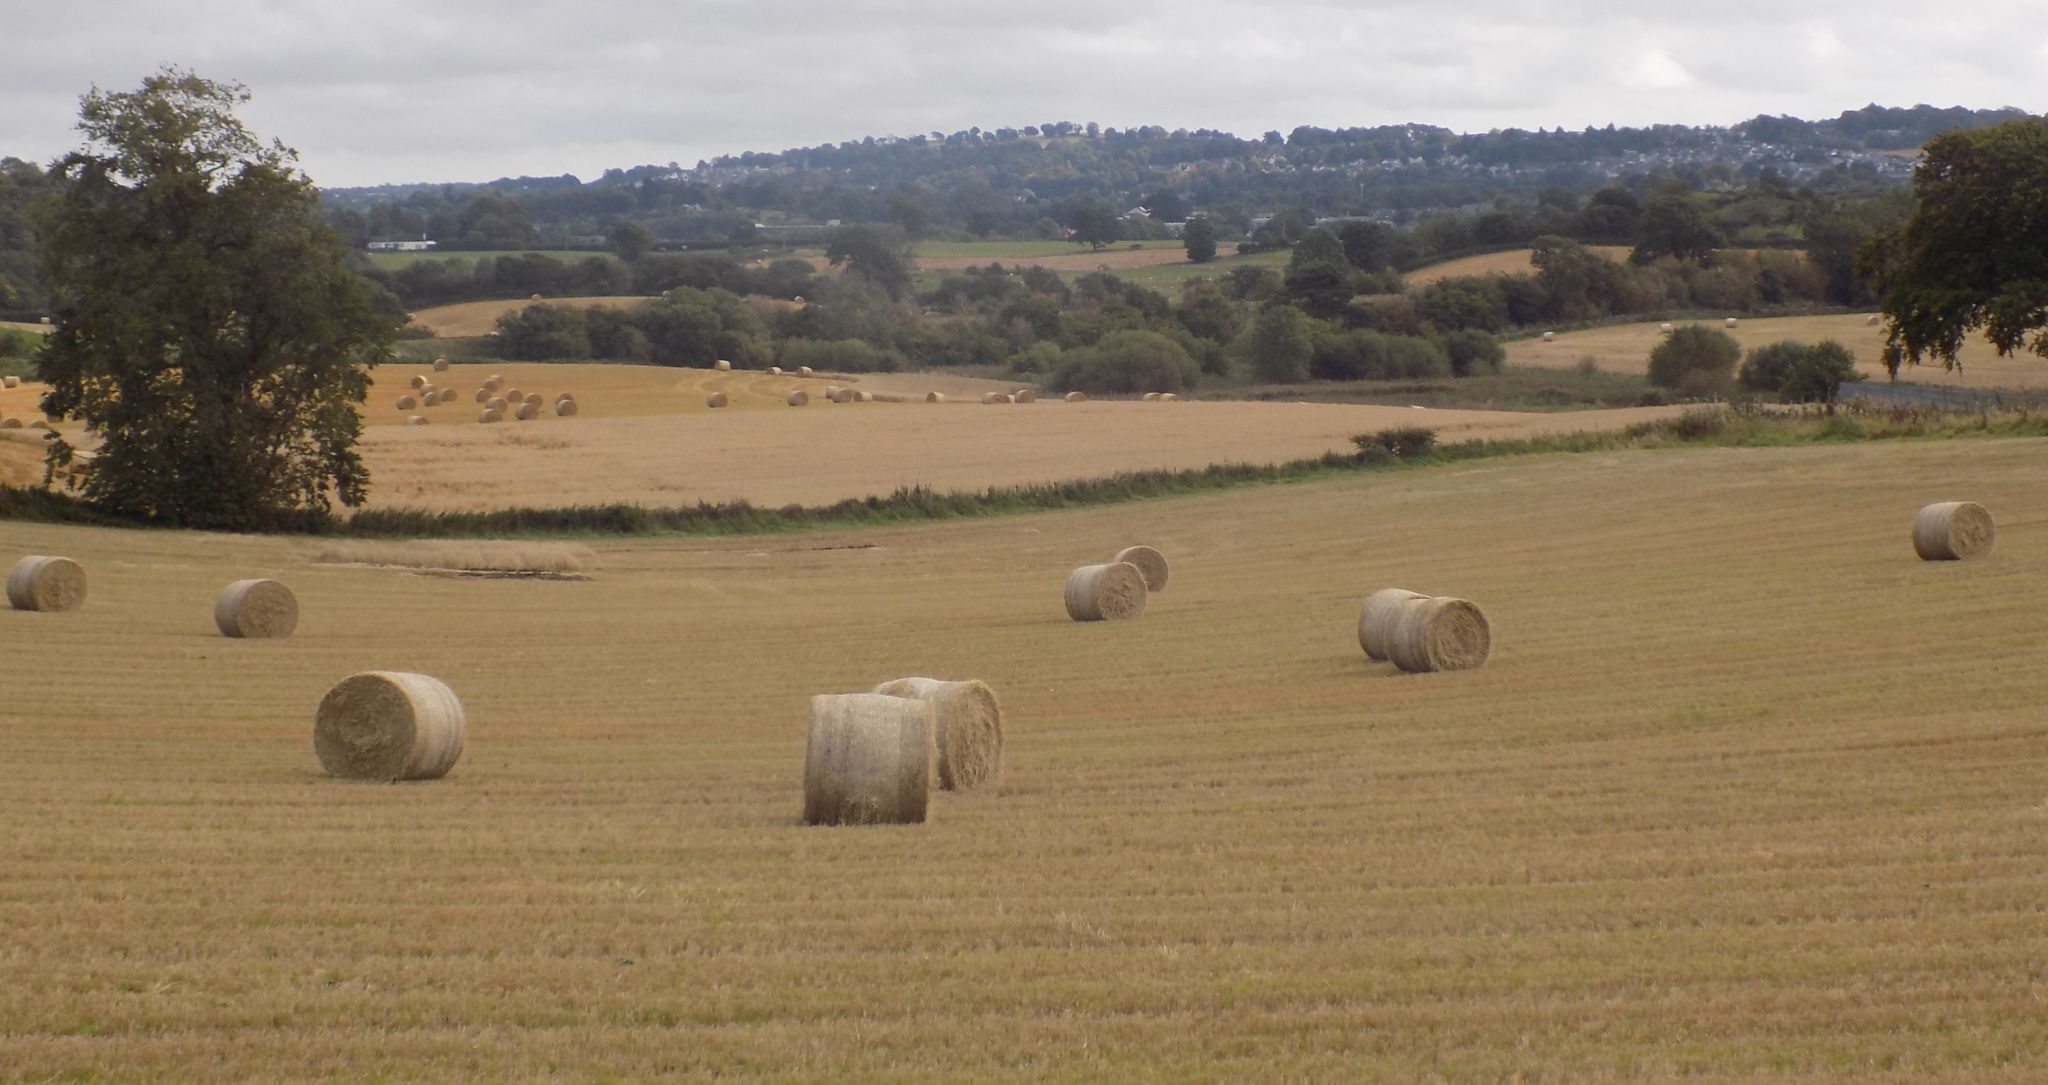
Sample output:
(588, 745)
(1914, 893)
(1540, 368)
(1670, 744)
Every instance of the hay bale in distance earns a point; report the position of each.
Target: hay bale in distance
(1730, 322)
(496, 403)
(934, 397)
(418, 382)
(12, 381)
(722, 366)
(1169, 397)
(845, 395)
(797, 398)
(1376, 619)
(494, 382)
(514, 396)
(863, 396)
(564, 408)
(774, 370)
(388, 725)
(1438, 633)
(526, 412)
(256, 608)
(10, 422)
(1108, 592)
(1151, 564)
(483, 395)
(1150, 397)
(1665, 328)
(995, 397)
(1023, 395)
(440, 365)
(491, 414)
(869, 760)
(1872, 321)
(533, 398)
(1550, 337)
(968, 728)
(1952, 531)
(1076, 397)
(46, 583)
(716, 399)
(804, 371)
(447, 395)
(406, 403)
(416, 420)
(39, 424)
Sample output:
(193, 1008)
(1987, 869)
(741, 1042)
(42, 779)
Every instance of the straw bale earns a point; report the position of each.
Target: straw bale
(39, 424)
(1151, 563)
(491, 414)
(1730, 322)
(774, 370)
(1438, 633)
(10, 422)
(845, 395)
(804, 371)
(1665, 328)
(46, 583)
(1106, 592)
(388, 725)
(12, 382)
(440, 365)
(1550, 337)
(1376, 618)
(415, 420)
(863, 396)
(418, 382)
(1024, 395)
(406, 403)
(1872, 320)
(1076, 397)
(716, 399)
(1169, 397)
(447, 395)
(564, 408)
(935, 397)
(514, 395)
(256, 608)
(1150, 397)
(995, 397)
(968, 727)
(1951, 531)
(797, 398)
(722, 366)
(483, 395)
(526, 412)
(870, 760)
(533, 398)
(496, 403)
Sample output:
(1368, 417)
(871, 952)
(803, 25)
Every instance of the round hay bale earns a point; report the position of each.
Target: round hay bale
(1872, 321)
(844, 395)
(995, 397)
(42, 582)
(447, 395)
(1665, 328)
(1952, 531)
(430, 395)
(863, 397)
(491, 414)
(533, 398)
(483, 395)
(526, 412)
(1150, 397)
(514, 395)
(1438, 633)
(1023, 395)
(1376, 619)
(12, 382)
(934, 397)
(967, 728)
(869, 760)
(256, 608)
(418, 382)
(440, 365)
(832, 392)
(494, 382)
(1730, 322)
(416, 420)
(39, 424)
(1076, 397)
(797, 398)
(716, 399)
(406, 403)
(804, 371)
(1151, 564)
(496, 403)
(10, 422)
(388, 725)
(560, 396)
(1550, 337)
(564, 408)
(1109, 592)
(1168, 397)
(774, 370)
(533, 297)
(722, 366)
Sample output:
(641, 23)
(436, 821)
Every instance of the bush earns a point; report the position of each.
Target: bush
(1402, 442)
(543, 333)
(1695, 361)
(1126, 362)
(1472, 351)
(838, 356)
(1764, 368)
(1796, 373)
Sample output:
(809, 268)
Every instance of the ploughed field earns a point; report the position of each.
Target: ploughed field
(1625, 348)
(1746, 791)
(643, 434)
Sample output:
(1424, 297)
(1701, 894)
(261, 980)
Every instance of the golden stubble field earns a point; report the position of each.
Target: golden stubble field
(1625, 348)
(1747, 792)
(1511, 262)
(643, 434)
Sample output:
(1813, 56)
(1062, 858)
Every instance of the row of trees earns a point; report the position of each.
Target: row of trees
(1695, 360)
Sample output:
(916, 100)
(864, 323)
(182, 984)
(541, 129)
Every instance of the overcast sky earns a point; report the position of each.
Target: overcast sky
(374, 91)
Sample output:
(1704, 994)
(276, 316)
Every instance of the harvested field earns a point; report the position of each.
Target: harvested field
(824, 453)
(1625, 348)
(1061, 256)
(1511, 262)
(1694, 820)
(469, 318)
(19, 326)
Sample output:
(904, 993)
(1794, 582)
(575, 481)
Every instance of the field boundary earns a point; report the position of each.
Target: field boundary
(1385, 451)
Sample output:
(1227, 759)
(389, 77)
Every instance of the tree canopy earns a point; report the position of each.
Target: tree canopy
(1974, 254)
(206, 325)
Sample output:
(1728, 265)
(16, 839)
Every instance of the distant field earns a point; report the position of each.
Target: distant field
(22, 326)
(1746, 793)
(1511, 262)
(1625, 348)
(471, 318)
(392, 261)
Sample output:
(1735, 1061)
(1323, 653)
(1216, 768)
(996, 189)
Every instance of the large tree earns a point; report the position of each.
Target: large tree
(207, 327)
(1975, 253)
